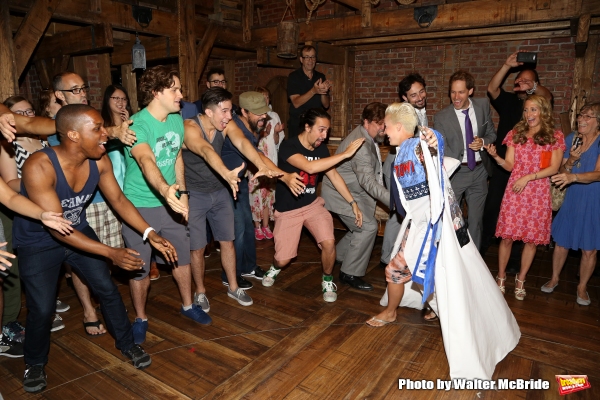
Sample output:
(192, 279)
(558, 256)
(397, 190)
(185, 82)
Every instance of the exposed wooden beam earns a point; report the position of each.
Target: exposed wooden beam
(546, 26)
(9, 85)
(187, 52)
(466, 15)
(204, 47)
(117, 14)
(583, 29)
(267, 57)
(31, 30)
(91, 38)
(130, 84)
(247, 20)
(330, 54)
(43, 74)
(469, 39)
(228, 54)
(229, 67)
(366, 13)
(156, 49)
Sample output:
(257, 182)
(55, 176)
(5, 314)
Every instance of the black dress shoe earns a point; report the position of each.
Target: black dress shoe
(355, 281)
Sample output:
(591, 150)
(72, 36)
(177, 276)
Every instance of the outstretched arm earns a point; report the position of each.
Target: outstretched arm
(498, 78)
(292, 180)
(324, 164)
(238, 139)
(14, 124)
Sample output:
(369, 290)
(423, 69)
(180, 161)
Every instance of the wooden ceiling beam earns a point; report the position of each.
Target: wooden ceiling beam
(355, 4)
(156, 49)
(267, 57)
(94, 38)
(228, 54)
(31, 31)
(9, 82)
(117, 14)
(456, 16)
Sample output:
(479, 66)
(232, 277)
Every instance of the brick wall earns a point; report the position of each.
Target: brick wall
(379, 71)
(30, 87)
(93, 80)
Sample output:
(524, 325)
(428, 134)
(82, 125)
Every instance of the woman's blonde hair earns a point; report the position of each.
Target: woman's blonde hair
(546, 133)
(403, 113)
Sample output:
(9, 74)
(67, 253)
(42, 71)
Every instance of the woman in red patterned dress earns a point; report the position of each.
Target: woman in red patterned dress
(534, 153)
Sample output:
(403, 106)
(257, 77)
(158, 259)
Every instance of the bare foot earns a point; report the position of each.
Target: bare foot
(431, 316)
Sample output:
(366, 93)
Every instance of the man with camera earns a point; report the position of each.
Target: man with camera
(510, 109)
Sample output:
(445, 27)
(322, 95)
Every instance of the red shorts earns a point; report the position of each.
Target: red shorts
(288, 227)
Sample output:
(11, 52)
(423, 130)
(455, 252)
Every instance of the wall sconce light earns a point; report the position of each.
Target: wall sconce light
(138, 54)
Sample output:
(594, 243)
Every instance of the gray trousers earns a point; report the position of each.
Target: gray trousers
(354, 249)
(473, 184)
(392, 229)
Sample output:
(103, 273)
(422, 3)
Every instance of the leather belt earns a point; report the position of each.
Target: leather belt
(467, 164)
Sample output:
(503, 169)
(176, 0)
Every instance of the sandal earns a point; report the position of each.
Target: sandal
(501, 285)
(519, 292)
(94, 324)
(377, 323)
(431, 316)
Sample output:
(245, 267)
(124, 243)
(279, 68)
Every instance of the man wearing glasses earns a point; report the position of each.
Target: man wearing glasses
(306, 89)
(364, 178)
(215, 77)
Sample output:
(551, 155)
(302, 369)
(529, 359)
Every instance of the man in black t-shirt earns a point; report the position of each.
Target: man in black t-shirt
(306, 155)
(306, 89)
(509, 107)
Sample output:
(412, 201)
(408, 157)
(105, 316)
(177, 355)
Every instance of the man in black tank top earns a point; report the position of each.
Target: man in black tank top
(64, 185)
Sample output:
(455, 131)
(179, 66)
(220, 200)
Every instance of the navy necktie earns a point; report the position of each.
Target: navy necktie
(469, 139)
(395, 203)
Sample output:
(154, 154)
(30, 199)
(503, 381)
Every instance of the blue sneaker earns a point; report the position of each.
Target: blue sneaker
(197, 314)
(139, 329)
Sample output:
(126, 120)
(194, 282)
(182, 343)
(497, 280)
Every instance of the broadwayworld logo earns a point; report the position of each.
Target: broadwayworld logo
(572, 383)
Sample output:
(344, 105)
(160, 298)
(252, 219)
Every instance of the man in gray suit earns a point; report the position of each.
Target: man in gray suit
(467, 126)
(363, 176)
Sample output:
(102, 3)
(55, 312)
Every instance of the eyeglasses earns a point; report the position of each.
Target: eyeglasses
(218, 82)
(119, 99)
(30, 112)
(76, 90)
(309, 57)
(585, 117)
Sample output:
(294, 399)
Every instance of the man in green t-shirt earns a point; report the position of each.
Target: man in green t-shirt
(154, 183)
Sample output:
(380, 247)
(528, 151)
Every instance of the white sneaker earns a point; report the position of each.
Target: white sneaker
(329, 291)
(270, 275)
(57, 324)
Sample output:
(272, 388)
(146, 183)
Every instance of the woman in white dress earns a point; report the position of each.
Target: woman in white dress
(434, 252)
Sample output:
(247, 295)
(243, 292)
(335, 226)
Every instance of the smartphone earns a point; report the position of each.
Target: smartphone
(527, 57)
(577, 141)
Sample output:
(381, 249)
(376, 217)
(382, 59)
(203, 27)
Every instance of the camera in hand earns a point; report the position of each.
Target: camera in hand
(577, 141)
(527, 57)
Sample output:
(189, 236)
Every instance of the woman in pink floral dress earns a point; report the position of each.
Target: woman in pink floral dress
(534, 153)
(262, 191)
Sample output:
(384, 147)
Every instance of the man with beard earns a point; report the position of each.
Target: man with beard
(364, 179)
(208, 197)
(251, 121)
(510, 110)
(412, 90)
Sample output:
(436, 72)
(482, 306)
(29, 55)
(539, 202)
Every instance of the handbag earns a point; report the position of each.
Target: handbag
(545, 159)
(558, 196)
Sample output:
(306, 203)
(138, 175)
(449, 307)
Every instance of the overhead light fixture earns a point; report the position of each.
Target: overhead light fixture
(138, 54)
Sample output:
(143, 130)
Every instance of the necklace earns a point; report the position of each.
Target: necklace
(585, 148)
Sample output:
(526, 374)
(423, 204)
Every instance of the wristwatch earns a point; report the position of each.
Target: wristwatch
(184, 192)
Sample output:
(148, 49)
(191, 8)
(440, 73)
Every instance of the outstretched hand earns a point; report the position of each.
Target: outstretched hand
(266, 171)
(353, 147)
(125, 258)
(8, 126)
(124, 134)
(232, 178)
(3, 261)
(56, 221)
(294, 182)
(164, 246)
(173, 201)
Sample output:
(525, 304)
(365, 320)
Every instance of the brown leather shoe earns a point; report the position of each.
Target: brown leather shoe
(154, 272)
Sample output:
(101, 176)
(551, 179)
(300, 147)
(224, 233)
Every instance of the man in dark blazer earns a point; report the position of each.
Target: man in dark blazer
(467, 126)
(363, 176)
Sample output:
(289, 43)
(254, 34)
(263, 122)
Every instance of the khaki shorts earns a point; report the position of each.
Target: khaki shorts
(288, 227)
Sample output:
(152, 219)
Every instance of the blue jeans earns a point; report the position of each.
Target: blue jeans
(40, 269)
(245, 248)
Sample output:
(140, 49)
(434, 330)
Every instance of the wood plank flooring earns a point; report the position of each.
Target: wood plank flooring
(292, 345)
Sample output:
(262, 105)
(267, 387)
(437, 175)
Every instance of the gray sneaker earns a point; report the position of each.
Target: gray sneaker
(57, 324)
(241, 296)
(61, 307)
(201, 300)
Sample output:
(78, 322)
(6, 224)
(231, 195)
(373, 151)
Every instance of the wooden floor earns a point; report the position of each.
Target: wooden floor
(292, 345)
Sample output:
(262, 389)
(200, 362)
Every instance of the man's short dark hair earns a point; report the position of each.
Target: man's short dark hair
(57, 79)
(406, 83)
(68, 118)
(155, 80)
(214, 71)
(373, 112)
(533, 71)
(214, 96)
(307, 47)
(462, 75)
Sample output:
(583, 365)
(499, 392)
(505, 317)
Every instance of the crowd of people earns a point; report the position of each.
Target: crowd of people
(179, 176)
